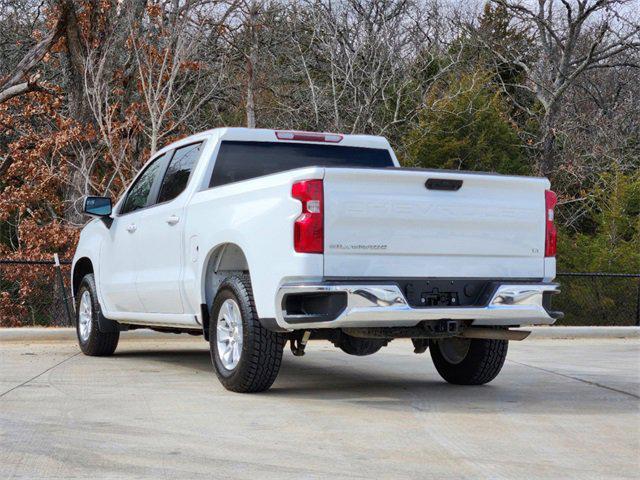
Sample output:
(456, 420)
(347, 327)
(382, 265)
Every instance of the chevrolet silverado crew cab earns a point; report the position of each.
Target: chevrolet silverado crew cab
(253, 238)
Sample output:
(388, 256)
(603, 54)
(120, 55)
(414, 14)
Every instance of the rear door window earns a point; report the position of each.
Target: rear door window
(238, 161)
(179, 170)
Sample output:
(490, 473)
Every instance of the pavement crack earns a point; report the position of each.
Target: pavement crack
(588, 382)
(38, 375)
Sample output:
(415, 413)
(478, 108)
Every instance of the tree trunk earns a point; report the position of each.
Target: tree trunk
(250, 106)
(17, 83)
(547, 161)
(75, 71)
(252, 60)
(153, 141)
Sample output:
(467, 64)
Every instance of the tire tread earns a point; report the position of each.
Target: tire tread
(100, 344)
(482, 364)
(265, 347)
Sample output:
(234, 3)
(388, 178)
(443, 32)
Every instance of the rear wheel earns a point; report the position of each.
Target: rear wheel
(465, 361)
(246, 356)
(92, 341)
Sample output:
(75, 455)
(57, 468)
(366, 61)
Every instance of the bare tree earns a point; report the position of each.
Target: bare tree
(174, 82)
(366, 64)
(22, 79)
(599, 137)
(573, 36)
(244, 31)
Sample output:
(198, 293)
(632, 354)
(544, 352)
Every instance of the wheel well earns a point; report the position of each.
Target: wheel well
(223, 261)
(81, 268)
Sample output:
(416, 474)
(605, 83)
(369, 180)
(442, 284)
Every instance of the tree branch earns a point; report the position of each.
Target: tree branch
(14, 84)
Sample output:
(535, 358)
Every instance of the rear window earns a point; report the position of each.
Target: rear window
(179, 170)
(238, 161)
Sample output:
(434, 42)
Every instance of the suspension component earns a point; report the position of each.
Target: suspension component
(299, 343)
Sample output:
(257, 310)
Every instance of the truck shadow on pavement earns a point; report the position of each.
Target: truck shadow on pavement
(405, 382)
(513, 391)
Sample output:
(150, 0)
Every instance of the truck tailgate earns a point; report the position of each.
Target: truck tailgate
(387, 223)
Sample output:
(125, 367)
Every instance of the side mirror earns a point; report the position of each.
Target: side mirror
(97, 206)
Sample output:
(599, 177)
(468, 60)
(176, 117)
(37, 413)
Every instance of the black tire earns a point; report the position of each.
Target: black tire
(93, 342)
(261, 354)
(359, 347)
(481, 364)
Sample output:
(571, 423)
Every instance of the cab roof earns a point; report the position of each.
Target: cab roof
(284, 136)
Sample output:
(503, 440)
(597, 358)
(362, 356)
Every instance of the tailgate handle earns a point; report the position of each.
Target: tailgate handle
(443, 184)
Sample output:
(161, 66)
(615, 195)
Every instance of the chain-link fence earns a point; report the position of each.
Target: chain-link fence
(35, 293)
(598, 299)
(38, 293)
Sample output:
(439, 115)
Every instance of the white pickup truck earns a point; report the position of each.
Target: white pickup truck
(255, 237)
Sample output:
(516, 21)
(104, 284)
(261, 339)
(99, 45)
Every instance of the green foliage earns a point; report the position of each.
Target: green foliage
(614, 247)
(465, 127)
(615, 244)
(498, 32)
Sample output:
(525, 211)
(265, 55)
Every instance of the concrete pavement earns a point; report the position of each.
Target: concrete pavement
(44, 334)
(559, 409)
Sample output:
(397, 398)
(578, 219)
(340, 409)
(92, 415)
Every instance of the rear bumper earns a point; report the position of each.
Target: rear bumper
(341, 305)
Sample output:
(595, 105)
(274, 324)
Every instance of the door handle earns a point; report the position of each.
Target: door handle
(173, 219)
(132, 228)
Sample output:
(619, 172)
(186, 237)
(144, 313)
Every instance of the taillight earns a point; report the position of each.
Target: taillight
(308, 229)
(551, 233)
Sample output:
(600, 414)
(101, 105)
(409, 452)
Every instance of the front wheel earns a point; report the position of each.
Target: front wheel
(465, 361)
(92, 341)
(246, 356)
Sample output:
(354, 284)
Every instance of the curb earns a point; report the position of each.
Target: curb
(42, 334)
(64, 334)
(562, 333)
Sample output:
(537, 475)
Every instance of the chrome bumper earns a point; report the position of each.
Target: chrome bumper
(386, 306)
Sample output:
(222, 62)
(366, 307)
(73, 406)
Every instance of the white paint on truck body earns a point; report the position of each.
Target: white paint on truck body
(385, 223)
(379, 223)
